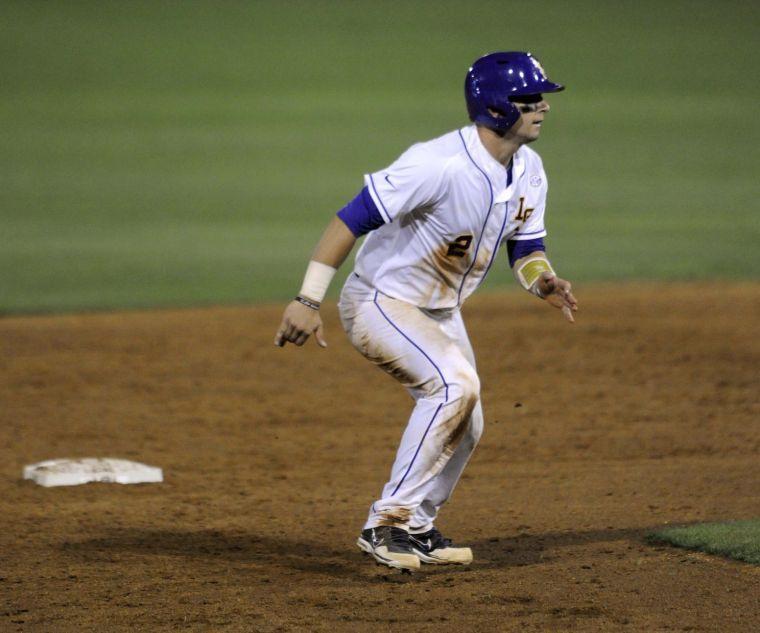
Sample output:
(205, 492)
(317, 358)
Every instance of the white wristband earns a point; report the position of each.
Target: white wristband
(317, 279)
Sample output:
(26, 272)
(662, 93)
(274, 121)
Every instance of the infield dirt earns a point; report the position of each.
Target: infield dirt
(644, 413)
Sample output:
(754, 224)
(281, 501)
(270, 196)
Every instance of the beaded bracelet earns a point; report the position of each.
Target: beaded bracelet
(307, 302)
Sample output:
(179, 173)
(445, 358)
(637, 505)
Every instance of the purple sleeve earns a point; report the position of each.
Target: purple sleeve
(520, 248)
(361, 214)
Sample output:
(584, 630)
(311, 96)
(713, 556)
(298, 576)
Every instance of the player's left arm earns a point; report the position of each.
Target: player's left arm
(534, 272)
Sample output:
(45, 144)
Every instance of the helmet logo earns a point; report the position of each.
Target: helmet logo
(538, 65)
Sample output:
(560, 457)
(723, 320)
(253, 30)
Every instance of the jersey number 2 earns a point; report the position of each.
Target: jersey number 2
(458, 248)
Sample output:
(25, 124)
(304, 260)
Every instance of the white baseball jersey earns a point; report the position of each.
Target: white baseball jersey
(447, 208)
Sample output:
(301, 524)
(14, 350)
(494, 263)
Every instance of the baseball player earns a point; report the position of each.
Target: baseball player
(435, 220)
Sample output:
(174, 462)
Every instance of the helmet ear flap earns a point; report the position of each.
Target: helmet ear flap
(503, 116)
(487, 107)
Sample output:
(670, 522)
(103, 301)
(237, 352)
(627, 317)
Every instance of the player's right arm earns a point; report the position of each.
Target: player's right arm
(301, 317)
(415, 179)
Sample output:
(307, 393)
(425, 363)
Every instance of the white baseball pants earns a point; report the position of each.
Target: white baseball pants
(428, 352)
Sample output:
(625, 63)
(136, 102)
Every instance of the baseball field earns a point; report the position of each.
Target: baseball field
(165, 170)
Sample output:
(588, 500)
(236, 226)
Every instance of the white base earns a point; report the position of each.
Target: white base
(73, 472)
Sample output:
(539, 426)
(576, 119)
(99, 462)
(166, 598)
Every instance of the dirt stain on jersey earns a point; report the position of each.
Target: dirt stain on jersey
(395, 517)
(456, 433)
(400, 373)
(370, 350)
(371, 347)
(448, 271)
(393, 366)
(449, 432)
(456, 425)
(450, 268)
(482, 261)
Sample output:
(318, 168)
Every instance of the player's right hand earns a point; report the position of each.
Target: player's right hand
(298, 323)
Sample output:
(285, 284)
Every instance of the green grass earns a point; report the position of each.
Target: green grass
(177, 153)
(739, 540)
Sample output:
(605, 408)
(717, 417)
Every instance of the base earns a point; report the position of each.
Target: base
(73, 472)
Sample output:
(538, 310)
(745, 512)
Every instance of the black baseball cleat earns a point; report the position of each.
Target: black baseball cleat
(389, 546)
(431, 547)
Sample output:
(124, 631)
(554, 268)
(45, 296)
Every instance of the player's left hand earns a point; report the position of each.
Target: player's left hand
(558, 293)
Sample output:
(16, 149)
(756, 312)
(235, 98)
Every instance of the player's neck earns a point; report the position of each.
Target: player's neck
(502, 148)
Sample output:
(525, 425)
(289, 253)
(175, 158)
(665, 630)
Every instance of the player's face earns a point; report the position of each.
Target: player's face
(528, 126)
